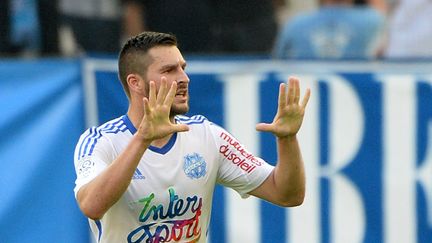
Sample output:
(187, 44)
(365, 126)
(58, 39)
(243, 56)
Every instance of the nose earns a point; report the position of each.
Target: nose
(183, 77)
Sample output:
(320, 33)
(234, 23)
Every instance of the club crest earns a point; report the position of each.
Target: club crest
(194, 166)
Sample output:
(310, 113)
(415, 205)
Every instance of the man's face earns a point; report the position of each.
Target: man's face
(167, 61)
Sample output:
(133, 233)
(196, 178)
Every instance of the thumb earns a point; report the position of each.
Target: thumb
(181, 127)
(264, 127)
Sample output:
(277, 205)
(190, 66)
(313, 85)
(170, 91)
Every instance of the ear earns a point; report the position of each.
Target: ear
(136, 84)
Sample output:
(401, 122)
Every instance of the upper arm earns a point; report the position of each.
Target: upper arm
(91, 157)
(238, 169)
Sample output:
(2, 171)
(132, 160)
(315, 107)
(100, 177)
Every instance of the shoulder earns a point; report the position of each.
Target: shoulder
(193, 120)
(114, 126)
(100, 135)
(200, 125)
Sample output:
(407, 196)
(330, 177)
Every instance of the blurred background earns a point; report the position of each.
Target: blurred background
(366, 139)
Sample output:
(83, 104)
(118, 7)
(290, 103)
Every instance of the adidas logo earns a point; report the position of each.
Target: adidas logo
(138, 175)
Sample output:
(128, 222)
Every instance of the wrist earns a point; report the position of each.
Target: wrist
(287, 138)
(142, 140)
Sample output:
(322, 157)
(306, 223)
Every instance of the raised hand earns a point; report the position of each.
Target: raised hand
(156, 121)
(290, 113)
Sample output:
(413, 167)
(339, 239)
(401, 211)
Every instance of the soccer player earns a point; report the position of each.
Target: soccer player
(149, 175)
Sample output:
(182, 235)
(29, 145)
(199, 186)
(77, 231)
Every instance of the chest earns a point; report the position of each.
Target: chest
(181, 175)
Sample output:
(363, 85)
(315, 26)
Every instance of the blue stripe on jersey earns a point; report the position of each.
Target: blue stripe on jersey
(96, 135)
(93, 133)
(109, 128)
(90, 141)
(114, 130)
(99, 226)
(185, 118)
(197, 119)
(194, 122)
(129, 124)
(90, 132)
(114, 127)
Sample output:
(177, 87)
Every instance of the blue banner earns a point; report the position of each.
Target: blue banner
(42, 117)
(366, 142)
(366, 145)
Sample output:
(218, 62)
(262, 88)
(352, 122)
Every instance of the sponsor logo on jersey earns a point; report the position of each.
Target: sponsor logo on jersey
(194, 166)
(237, 154)
(138, 175)
(178, 220)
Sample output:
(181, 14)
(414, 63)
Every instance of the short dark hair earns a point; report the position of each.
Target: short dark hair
(132, 57)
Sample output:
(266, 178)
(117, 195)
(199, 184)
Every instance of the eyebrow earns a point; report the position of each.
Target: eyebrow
(170, 66)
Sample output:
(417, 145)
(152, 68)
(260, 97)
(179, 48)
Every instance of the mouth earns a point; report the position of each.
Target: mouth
(181, 93)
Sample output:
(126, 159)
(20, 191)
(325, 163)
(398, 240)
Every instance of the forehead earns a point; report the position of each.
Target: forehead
(164, 55)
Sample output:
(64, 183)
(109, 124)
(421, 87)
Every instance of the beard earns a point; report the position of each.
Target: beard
(179, 109)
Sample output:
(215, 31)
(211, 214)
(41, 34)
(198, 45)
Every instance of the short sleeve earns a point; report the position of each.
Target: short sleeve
(238, 168)
(91, 157)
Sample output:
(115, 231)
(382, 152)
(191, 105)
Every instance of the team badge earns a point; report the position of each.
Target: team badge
(194, 166)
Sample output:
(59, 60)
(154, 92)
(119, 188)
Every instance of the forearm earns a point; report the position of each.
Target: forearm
(289, 173)
(286, 184)
(97, 196)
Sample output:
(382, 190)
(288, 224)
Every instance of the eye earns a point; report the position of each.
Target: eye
(167, 70)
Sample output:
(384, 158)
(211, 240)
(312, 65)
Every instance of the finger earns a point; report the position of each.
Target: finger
(291, 92)
(181, 128)
(306, 98)
(162, 91)
(152, 94)
(296, 91)
(171, 93)
(282, 96)
(147, 110)
(264, 127)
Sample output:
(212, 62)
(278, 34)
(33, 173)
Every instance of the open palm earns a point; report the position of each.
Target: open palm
(156, 121)
(290, 113)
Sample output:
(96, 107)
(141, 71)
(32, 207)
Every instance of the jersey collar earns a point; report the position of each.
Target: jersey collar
(161, 150)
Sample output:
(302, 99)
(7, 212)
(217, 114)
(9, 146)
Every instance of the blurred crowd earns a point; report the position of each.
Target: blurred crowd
(280, 29)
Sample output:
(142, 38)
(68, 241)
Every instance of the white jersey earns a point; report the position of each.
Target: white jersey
(170, 195)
